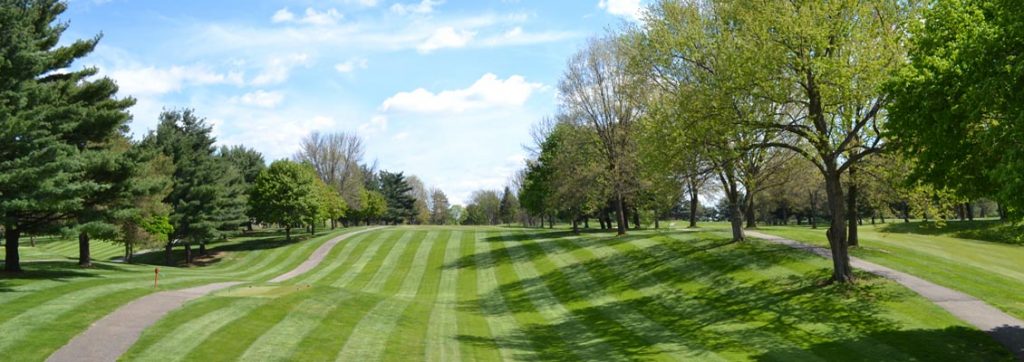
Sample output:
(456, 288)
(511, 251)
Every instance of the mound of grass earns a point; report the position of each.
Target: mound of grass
(984, 230)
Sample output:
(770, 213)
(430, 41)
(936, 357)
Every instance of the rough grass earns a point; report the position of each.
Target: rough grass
(443, 294)
(990, 271)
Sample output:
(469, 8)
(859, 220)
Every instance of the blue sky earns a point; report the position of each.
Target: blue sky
(445, 90)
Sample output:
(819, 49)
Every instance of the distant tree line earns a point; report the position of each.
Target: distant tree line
(68, 165)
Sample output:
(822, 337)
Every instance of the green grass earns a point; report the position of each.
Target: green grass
(464, 293)
(990, 271)
(54, 300)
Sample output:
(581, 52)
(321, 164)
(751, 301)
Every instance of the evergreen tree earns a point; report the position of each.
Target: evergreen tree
(55, 124)
(397, 195)
(508, 206)
(248, 162)
(202, 197)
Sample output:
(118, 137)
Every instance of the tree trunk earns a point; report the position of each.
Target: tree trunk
(842, 272)
(748, 212)
(312, 228)
(575, 226)
(736, 220)
(636, 219)
(970, 211)
(202, 248)
(586, 223)
(12, 260)
(620, 215)
(288, 233)
(127, 253)
(656, 226)
(84, 257)
(168, 252)
(851, 203)
(188, 253)
(32, 240)
(693, 207)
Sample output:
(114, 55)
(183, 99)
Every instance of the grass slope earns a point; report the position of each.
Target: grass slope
(490, 293)
(54, 300)
(990, 271)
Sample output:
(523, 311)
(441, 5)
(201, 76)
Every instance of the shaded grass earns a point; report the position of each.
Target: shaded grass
(988, 271)
(429, 293)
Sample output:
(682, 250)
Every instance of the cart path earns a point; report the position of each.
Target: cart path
(111, 336)
(1004, 328)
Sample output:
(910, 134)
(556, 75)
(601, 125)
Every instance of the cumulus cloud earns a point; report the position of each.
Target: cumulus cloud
(423, 7)
(278, 69)
(261, 99)
(351, 65)
(376, 124)
(487, 92)
(312, 17)
(630, 9)
(446, 37)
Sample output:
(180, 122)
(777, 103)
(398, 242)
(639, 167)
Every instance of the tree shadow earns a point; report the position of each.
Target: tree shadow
(55, 270)
(500, 255)
(705, 297)
(254, 242)
(995, 231)
(949, 344)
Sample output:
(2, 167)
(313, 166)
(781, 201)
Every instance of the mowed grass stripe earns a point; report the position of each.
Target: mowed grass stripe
(474, 331)
(281, 341)
(505, 327)
(389, 263)
(586, 294)
(585, 343)
(367, 263)
(409, 336)
(442, 325)
(370, 334)
(335, 259)
(187, 333)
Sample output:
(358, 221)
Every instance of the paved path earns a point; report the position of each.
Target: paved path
(1004, 328)
(110, 337)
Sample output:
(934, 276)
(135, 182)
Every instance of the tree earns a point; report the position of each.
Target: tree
(285, 193)
(205, 197)
(141, 215)
(54, 122)
(375, 206)
(420, 207)
(398, 196)
(336, 158)
(483, 208)
(958, 108)
(597, 90)
(508, 206)
(249, 163)
(439, 213)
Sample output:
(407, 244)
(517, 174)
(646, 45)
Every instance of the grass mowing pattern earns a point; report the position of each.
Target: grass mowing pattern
(489, 293)
(988, 271)
(52, 301)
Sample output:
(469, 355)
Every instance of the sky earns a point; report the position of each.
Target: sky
(444, 90)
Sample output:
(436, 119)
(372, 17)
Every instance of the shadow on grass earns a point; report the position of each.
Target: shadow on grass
(250, 242)
(704, 297)
(949, 344)
(995, 231)
(518, 244)
(54, 270)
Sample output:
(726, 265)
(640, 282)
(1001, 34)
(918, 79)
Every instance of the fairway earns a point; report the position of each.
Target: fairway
(459, 293)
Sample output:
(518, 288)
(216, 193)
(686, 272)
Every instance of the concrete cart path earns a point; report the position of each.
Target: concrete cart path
(111, 336)
(1004, 328)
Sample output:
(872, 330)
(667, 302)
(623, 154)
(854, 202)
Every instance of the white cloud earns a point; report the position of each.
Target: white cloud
(518, 36)
(445, 37)
(278, 69)
(312, 17)
(487, 92)
(377, 124)
(401, 136)
(155, 81)
(423, 7)
(282, 15)
(261, 98)
(275, 135)
(351, 64)
(630, 9)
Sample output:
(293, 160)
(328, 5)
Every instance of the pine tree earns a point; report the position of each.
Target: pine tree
(397, 195)
(55, 125)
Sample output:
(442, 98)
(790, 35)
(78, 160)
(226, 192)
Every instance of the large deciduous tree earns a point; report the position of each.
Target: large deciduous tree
(598, 90)
(56, 124)
(286, 193)
(958, 104)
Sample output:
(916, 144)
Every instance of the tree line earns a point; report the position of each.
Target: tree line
(69, 166)
(811, 111)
